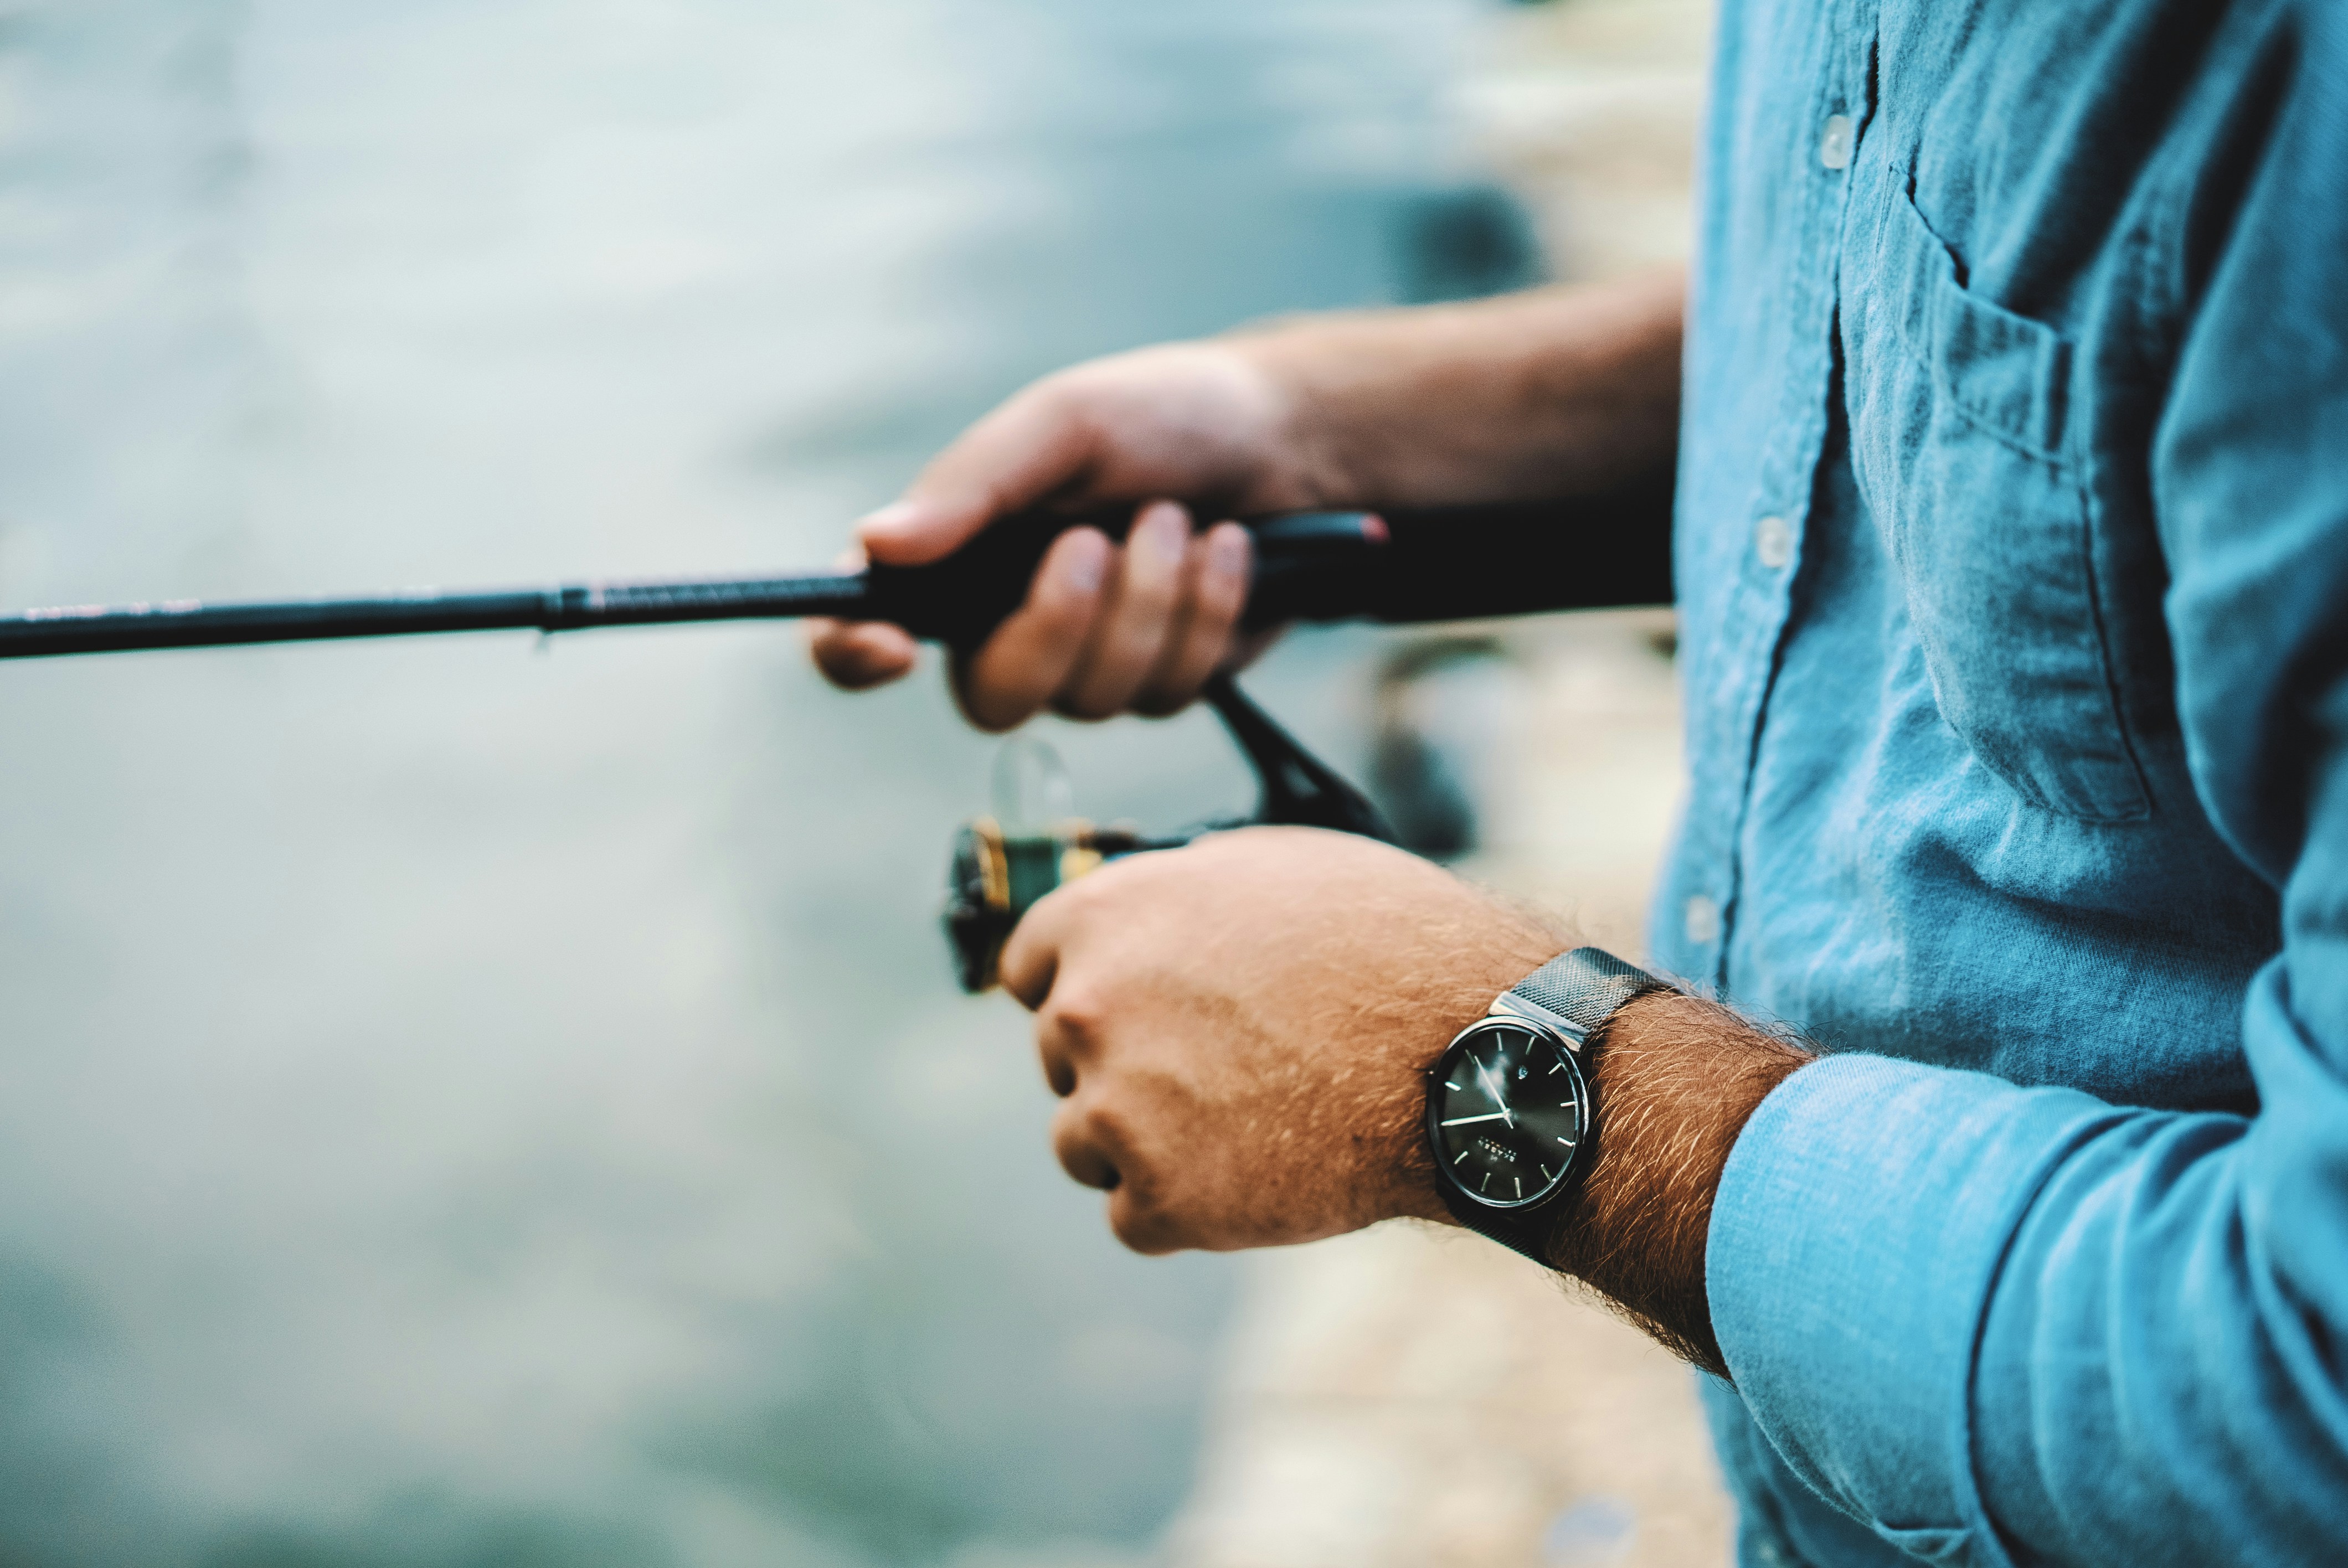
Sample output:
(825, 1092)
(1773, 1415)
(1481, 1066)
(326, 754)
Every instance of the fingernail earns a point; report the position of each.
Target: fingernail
(1164, 531)
(1085, 568)
(895, 517)
(1227, 552)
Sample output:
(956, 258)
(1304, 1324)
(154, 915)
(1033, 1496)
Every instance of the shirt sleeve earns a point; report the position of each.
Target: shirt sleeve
(2002, 1324)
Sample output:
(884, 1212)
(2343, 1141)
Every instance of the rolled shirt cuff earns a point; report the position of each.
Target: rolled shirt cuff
(1854, 1240)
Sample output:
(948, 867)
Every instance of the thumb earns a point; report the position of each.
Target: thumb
(1034, 446)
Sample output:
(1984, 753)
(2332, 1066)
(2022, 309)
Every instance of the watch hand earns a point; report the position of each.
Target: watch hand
(1463, 1120)
(1494, 1091)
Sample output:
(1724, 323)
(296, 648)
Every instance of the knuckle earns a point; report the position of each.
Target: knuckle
(1060, 393)
(1085, 707)
(1074, 1017)
(1086, 710)
(855, 674)
(989, 712)
(1152, 592)
(1078, 1164)
(1218, 603)
(1068, 1137)
(1061, 603)
(1083, 1159)
(1152, 606)
(1040, 405)
(1074, 397)
(1060, 413)
(1111, 1128)
(987, 704)
(1140, 1225)
(1071, 900)
(1059, 1071)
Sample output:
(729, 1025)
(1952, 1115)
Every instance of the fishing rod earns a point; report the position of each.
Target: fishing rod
(1301, 559)
(1445, 564)
(1394, 566)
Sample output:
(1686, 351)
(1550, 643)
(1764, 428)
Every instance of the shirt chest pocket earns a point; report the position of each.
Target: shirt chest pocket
(1957, 412)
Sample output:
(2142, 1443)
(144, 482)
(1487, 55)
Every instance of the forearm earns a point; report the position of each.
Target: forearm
(1555, 392)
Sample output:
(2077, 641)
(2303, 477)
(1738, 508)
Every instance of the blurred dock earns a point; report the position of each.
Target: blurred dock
(1589, 110)
(1411, 1395)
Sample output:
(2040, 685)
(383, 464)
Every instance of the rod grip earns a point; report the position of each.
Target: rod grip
(1449, 563)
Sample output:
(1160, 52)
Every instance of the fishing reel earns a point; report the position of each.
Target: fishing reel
(1004, 864)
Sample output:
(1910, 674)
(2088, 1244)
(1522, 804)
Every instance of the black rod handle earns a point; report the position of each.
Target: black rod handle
(1452, 563)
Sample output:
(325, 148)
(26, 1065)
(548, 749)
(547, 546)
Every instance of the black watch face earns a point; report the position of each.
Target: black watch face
(1506, 1113)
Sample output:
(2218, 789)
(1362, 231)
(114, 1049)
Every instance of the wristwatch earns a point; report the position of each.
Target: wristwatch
(1508, 1114)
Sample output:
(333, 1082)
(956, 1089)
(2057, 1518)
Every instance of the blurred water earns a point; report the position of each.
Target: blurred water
(465, 1106)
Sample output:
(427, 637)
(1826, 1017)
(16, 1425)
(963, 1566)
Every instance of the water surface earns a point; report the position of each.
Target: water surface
(470, 1103)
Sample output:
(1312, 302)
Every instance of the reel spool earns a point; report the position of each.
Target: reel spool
(1004, 864)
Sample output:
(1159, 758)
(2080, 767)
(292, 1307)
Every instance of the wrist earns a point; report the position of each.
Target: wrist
(1298, 366)
(1674, 1077)
(1554, 391)
(1423, 1018)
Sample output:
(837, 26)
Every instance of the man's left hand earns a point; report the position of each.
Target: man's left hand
(1239, 1029)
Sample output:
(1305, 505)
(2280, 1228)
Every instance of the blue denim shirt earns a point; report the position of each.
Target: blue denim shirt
(2012, 546)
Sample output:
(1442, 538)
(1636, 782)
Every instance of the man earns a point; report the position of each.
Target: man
(2013, 563)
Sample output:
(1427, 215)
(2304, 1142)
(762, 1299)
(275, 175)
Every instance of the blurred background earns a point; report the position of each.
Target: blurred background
(469, 1103)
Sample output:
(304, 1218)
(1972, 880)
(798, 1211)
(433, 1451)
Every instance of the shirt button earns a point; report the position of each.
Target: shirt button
(1702, 917)
(1773, 541)
(1834, 146)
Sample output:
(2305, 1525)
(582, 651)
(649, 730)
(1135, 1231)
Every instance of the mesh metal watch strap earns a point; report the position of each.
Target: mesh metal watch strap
(1584, 986)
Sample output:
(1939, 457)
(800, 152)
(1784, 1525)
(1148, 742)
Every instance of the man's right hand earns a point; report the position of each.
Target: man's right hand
(1558, 392)
(1105, 627)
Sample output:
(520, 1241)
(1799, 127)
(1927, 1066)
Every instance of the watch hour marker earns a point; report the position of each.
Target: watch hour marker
(1453, 1087)
(1463, 1154)
(1521, 1186)
(1564, 1140)
(1547, 1174)
(1487, 1183)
